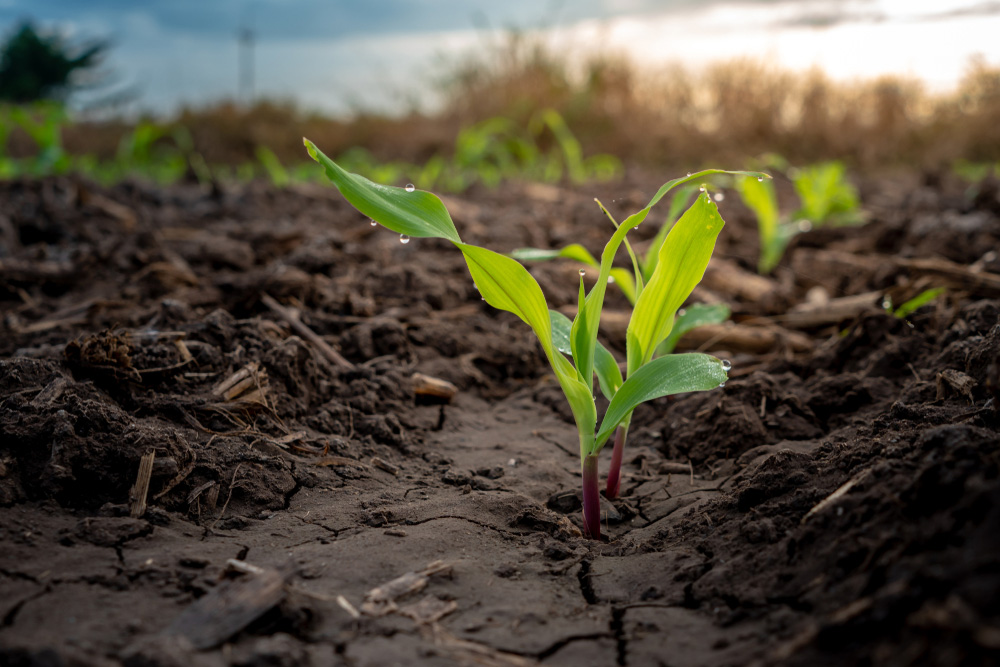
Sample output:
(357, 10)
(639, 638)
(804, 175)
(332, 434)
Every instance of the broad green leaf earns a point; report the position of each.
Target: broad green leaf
(693, 317)
(673, 374)
(609, 376)
(681, 265)
(583, 338)
(677, 204)
(418, 213)
(506, 285)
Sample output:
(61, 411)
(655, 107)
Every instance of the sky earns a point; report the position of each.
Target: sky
(339, 55)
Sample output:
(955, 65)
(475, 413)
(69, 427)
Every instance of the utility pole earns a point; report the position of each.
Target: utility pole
(246, 82)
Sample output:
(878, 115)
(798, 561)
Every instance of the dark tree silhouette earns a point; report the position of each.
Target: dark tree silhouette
(37, 66)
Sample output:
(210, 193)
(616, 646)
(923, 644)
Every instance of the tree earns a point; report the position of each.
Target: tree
(37, 66)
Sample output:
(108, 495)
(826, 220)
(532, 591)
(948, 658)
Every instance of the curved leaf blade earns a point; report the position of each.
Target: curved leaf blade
(419, 214)
(682, 261)
(673, 374)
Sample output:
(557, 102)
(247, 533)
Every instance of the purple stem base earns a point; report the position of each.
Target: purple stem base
(591, 498)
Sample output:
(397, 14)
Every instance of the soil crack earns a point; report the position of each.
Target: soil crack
(618, 630)
(586, 588)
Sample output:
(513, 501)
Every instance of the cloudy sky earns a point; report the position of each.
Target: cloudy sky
(335, 55)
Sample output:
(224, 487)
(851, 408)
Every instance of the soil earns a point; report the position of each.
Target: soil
(837, 502)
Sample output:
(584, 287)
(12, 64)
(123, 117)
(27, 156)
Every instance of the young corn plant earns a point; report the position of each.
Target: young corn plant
(571, 346)
(825, 195)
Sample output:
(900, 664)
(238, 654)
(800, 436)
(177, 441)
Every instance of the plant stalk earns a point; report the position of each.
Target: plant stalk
(591, 498)
(615, 472)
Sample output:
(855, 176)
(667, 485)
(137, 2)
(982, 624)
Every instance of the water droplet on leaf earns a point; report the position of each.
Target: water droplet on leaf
(760, 179)
(722, 384)
(611, 280)
(726, 365)
(409, 187)
(582, 273)
(373, 223)
(702, 188)
(404, 239)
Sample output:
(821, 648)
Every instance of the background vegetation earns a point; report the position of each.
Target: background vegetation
(674, 118)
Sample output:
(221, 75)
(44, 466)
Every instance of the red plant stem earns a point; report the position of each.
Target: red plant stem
(591, 498)
(615, 472)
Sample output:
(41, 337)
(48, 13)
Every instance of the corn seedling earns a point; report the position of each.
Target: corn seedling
(623, 278)
(826, 198)
(571, 347)
(907, 308)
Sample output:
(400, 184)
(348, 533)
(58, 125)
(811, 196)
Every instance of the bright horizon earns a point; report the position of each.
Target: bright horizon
(174, 60)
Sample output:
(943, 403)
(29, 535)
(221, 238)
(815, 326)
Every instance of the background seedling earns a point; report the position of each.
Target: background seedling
(571, 347)
(826, 198)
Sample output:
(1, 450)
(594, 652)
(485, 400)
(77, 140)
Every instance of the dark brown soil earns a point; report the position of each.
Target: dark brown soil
(838, 502)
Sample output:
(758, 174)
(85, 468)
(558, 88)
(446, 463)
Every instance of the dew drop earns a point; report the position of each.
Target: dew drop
(373, 223)
(404, 239)
(727, 365)
(482, 298)
(804, 225)
(760, 179)
(689, 174)
(611, 280)
(702, 188)
(722, 384)
(409, 187)
(582, 273)
(718, 196)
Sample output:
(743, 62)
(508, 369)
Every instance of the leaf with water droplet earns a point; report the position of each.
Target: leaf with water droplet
(418, 214)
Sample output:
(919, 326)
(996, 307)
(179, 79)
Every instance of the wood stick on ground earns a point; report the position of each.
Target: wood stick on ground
(381, 600)
(139, 492)
(293, 321)
(425, 385)
(230, 607)
(834, 311)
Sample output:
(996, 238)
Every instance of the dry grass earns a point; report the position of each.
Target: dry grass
(674, 116)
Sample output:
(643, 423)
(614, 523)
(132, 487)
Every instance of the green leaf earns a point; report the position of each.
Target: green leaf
(418, 213)
(693, 317)
(677, 204)
(572, 251)
(506, 285)
(919, 300)
(609, 376)
(760, 198)
(681, 265)
(673, 374)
